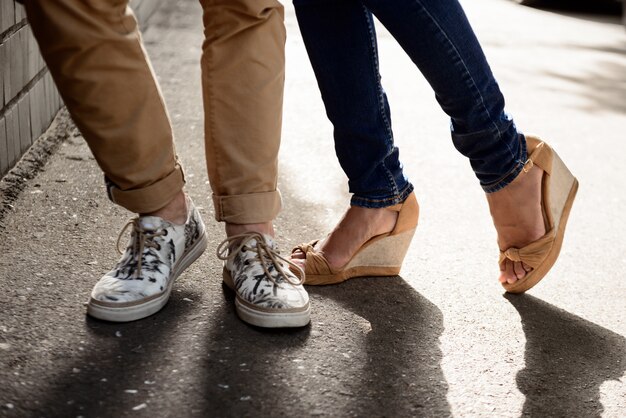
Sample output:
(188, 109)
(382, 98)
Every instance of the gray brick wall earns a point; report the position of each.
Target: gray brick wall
(29, 99)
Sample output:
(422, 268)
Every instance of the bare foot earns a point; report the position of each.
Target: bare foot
(517, 216)
(357, 226)
(175, 211)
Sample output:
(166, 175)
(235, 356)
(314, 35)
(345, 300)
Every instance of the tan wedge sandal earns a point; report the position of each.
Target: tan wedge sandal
(380, 256)
(558, 190)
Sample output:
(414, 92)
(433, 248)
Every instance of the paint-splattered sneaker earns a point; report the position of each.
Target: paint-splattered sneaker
(141, 282)
(268, 293)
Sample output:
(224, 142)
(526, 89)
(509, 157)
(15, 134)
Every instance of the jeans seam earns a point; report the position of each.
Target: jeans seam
(376, 69)
(457, 58)
(400, 195)
(380, 97)
(511, 175)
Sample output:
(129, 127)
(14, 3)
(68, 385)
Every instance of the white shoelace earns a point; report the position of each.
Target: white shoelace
(144, 238)
(230, 247)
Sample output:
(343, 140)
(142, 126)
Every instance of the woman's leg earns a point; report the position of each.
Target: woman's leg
(341, 42)
(438, 38)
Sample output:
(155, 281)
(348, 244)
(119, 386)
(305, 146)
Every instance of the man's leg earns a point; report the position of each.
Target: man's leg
(94, 52)
(243, 71)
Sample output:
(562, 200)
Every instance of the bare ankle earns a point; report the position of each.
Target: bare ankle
(266, 228)
(175, 211)
(358, 225)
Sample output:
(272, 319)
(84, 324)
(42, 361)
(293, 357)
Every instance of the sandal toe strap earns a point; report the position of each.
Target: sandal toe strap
(315, 263)
(532, 254)
(306, 247)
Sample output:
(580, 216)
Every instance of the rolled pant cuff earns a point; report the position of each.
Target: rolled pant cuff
(248, 208)
(382, 202)
(151, 198)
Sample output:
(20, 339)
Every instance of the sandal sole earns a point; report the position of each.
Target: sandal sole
(381, 258)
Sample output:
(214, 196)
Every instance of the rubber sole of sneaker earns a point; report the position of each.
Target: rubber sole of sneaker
(132, 311)
(265, 317)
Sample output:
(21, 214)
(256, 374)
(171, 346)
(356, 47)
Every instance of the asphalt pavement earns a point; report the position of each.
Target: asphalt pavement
(441, 339)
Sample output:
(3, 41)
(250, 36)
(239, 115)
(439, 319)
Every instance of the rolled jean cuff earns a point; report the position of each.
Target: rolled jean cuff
(512, 174)
(251, 208)
(150, 198)
(383, 202)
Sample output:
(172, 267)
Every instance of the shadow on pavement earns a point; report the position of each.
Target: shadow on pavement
(372, 350)
(104, 381)
(401, 372)
(604, 87)
(567, 360)
(249, 371)
(374, 344)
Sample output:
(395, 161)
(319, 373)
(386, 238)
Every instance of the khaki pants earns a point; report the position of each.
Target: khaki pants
(95, 55)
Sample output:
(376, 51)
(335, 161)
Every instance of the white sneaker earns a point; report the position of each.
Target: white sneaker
(268, 294)
(141, 282)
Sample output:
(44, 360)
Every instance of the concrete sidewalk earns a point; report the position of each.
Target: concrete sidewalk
(441, 340)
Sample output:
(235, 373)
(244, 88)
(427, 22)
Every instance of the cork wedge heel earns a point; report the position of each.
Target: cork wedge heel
(558, 190)
(380, 256)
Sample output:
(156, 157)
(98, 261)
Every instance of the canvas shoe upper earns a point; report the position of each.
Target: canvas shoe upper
(157, 253)
(268, 293)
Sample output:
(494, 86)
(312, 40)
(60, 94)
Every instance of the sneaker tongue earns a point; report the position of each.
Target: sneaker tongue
(151, 223)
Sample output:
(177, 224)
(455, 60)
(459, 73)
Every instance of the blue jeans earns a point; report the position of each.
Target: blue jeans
(341, 42)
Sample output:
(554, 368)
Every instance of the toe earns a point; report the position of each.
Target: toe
(502, 278)
(519, 270)
(510, 271)
(297, 254)
(505, 272)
